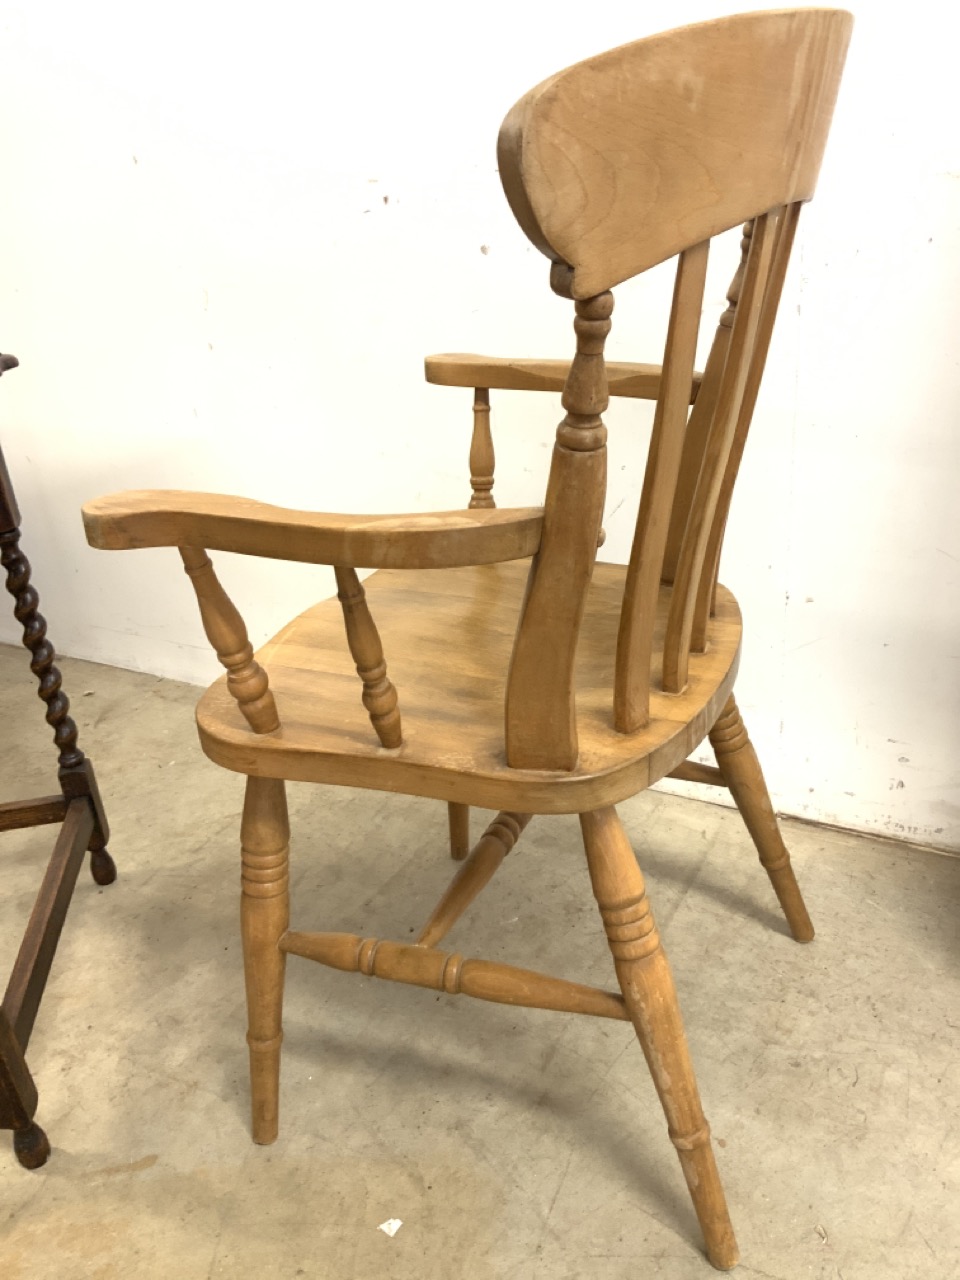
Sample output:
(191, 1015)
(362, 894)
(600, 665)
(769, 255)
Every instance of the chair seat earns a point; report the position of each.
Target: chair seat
(447, 636)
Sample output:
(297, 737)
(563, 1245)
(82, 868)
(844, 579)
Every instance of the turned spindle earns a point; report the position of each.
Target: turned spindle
(541, 729)
(482, 458)
(75, 770)
(225, 630)
(26, 611)
(453, 974)
(379, 696)
(475, 874)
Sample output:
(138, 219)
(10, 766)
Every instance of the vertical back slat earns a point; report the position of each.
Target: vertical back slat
(701, 417)
(783, 245)
(635, 640)
(541, 724)
(676, 651)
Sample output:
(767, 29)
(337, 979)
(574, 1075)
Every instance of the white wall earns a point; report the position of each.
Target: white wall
(230, 233)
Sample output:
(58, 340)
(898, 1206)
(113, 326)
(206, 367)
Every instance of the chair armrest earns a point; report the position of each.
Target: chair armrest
(637, 381)
(438, 540)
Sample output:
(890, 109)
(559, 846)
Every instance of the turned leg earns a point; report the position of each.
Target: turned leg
(264, 916)
(459, 815)
(741, 771)
(651, 999)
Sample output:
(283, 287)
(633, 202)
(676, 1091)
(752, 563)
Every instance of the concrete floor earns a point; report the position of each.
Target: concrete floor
(510, 1144)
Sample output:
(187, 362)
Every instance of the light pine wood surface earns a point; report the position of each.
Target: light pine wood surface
(633, 381)
(524, 675)
(435, 540)
(448, 637)
(726, 120)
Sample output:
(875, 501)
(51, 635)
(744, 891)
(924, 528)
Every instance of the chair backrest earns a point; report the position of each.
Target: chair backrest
(610, 167)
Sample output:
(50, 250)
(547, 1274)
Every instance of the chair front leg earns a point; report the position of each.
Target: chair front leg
(264, 917)
(651, 998)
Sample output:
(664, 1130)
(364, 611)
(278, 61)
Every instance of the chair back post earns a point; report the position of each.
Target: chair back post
(541, 723)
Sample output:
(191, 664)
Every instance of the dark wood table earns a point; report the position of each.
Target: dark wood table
(83, 825)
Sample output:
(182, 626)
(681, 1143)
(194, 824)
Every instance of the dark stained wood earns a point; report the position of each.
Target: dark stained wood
(30, 970)
(18, 1093)
(32, 813)
(82, 781)
(79, 808)
(26, 611)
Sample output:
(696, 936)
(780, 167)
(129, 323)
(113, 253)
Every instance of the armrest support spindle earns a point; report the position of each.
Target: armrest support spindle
(379, 695)
(225, 630)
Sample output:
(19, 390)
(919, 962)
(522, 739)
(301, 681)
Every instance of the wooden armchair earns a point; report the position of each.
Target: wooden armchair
(552, 684)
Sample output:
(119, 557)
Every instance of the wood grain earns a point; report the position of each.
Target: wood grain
(475, 874)
(540, 710)
(633, 381)
(264, 917)
(482, 457)
(441, 539)
(32, 813)
(451, 633)
(225, 629)
(553, 684)
(26, 610)
(692, 562)
(648, 989)
(624, 160)
(444, 971)
(742, 773)
(80, 812)
(32, 965)
(784, 237)
(379, 696)
(631, 696)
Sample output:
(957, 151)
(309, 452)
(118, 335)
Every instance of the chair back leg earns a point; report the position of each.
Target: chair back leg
(742, 773)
